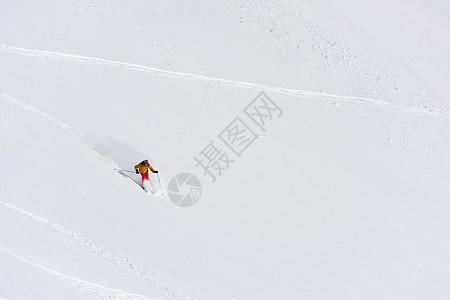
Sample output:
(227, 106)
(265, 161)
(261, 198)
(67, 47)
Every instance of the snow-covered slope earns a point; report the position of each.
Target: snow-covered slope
(345, 195)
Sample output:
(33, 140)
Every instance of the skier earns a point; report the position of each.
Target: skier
(143, 168)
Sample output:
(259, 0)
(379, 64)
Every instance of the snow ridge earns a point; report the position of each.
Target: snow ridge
(56, 122)
(189, 76)
(86, 286)
(62, 125)
(107, 254)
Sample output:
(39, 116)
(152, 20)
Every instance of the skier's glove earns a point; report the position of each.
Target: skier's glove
(156, 171)
(137, 171)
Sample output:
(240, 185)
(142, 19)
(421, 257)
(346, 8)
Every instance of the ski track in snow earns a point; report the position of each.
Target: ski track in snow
(86, 286)
(58, 123)
(107, 254)
(189, 76)
(62, 125)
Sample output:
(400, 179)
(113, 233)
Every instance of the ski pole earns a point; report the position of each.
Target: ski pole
(160, 186)
(126, 171)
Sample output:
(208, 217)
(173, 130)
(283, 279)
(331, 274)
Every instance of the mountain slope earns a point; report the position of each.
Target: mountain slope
(344, 195)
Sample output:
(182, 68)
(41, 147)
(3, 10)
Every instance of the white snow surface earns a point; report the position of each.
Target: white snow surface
(346, 195)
